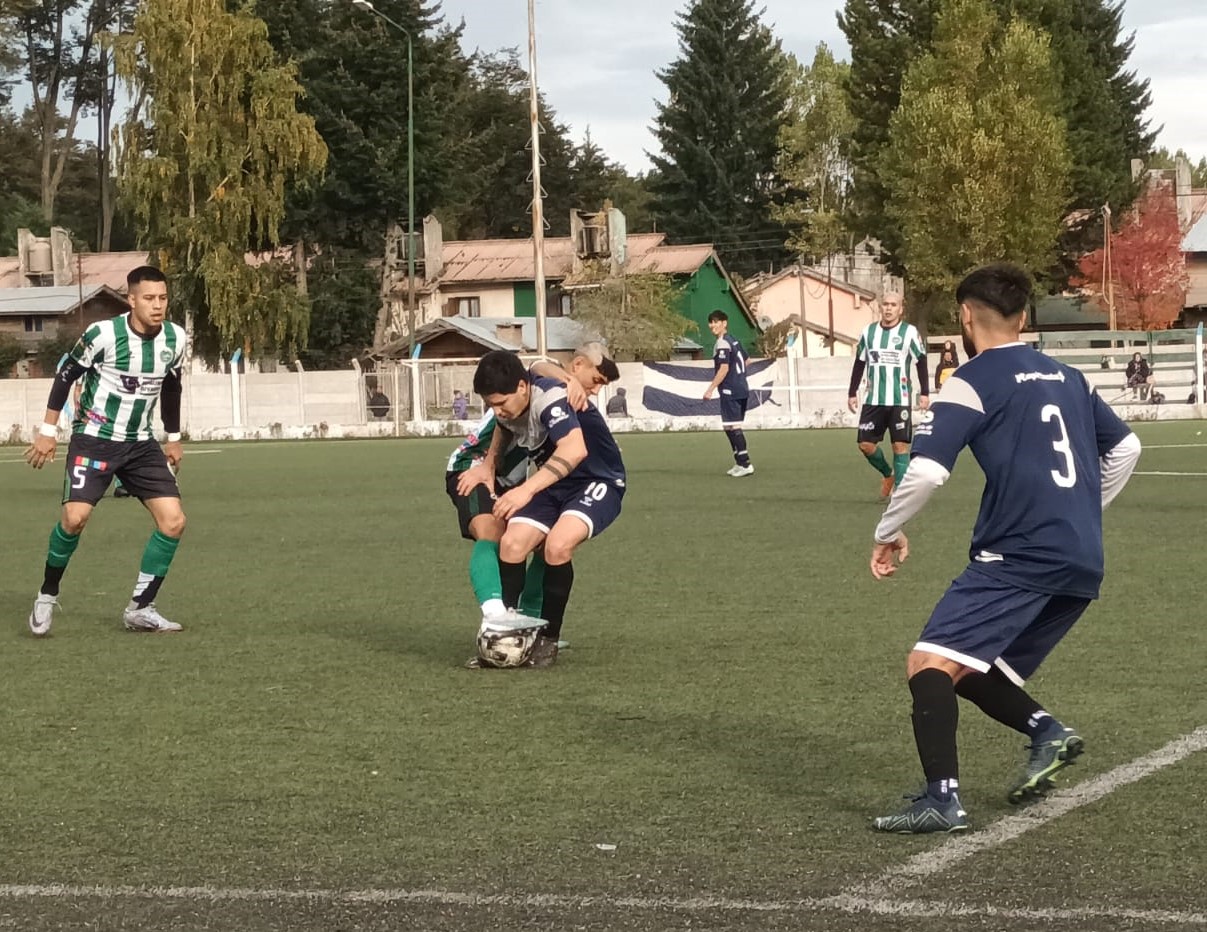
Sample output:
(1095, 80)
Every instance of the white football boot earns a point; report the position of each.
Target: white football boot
(43, 614)
(147, 619)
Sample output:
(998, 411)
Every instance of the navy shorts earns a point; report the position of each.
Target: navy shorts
(92, 463)
(982, 622)
(593, 501)
(733, 410)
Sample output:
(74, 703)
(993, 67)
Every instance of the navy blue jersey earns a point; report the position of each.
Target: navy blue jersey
(1037, 431)
(550, 418)
(729, 351)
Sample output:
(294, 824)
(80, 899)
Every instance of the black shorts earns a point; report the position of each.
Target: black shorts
(874, 420)
(733, 410)
(92, 463)
(479, 501)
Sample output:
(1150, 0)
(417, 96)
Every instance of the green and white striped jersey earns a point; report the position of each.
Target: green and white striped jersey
(889, 354)
(513, 466)
(125, 373)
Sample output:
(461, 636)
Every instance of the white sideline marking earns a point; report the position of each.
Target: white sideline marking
(1037, 815)
(843, 902)
(187, 452)
(1173, 446)
(877, 897)
(1138, 473)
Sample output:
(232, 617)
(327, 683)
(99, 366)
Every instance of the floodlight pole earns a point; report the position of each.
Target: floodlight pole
(368, 7)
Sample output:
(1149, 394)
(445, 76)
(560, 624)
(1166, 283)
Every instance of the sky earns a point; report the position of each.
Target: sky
(610, 88)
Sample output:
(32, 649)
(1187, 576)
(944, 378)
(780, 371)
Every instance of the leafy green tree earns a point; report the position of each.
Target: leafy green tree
(1162, 158)
(1102, 102)
(342, 288)
(11, 352)
(718, 134)
(205, 170)
(635, 315)
(814, 157)
(595, 178)
(977, 165)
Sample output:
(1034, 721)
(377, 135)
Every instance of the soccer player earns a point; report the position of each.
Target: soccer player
(475, 506)
(729, 362)
(129, 365)
(576, 491)
(1054, 455)
(885, 350)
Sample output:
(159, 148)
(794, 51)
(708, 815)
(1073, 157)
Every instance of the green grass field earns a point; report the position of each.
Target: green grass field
(730, 715)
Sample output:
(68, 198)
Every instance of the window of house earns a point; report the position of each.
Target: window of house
(469, 307)
(561, 306)
(33, 324)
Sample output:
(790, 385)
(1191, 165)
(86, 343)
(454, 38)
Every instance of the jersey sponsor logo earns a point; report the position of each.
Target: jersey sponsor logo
(100, 465)
(884, 357)
(1021, 377)
(96, 417)
(557, 414)
(867, 425)
(129, 383)
(925, 417)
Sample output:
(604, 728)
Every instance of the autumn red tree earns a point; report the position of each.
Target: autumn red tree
(1146, 265)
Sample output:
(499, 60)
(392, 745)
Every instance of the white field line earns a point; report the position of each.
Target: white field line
(960, 848)
(1139, 473)
(187, 453)
(1173, 446)
(877, 897)
(846, 903)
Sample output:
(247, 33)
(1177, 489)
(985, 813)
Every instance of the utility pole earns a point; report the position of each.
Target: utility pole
(538, 207)
(1108, 270)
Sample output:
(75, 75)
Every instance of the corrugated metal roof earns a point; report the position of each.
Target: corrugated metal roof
(99, 268)
(1196, 239)
(48, 302)
(562, 334)
(511, 260)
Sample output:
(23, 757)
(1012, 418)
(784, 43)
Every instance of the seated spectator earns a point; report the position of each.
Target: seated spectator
(618, 405)
(379, 404)
(460, 406)
(1139, 376)
(947, 365)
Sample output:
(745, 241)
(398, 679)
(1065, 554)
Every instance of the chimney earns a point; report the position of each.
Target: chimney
(60, 251)
(618, 238)
(511, 334)
(1181, 192)
(433, 248)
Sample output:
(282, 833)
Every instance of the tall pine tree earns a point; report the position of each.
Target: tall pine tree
(1101, 101)
(715, 177)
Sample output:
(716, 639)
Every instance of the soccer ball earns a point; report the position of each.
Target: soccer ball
(504, 644)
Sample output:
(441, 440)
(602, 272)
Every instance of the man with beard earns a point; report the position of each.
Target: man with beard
(1054, 455)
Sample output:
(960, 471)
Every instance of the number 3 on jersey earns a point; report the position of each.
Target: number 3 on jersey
(1066, 478)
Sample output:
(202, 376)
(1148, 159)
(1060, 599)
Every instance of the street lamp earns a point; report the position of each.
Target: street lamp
(369, 8)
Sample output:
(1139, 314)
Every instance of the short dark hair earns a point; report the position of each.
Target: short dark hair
(718, 315)
(144, 273)
(499, 372)
(1000, 286)
(608, 369)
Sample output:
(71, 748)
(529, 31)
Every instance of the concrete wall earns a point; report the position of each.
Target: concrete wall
(802, 392)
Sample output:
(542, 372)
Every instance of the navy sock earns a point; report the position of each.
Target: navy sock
(511, 575)
(737, 440)
(558, 582)
(1002, 700)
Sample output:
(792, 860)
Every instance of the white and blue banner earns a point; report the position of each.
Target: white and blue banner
(677, 389)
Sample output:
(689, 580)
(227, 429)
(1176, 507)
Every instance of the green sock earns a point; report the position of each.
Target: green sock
(62, 546)
(533, 597)
(484, 571)
(158, 556)
(900, 465)
(879, 463)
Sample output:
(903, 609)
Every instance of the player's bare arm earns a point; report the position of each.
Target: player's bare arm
(722, 371)
(42, 450)
(569, 452)
(484, 473)
(576, 395)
